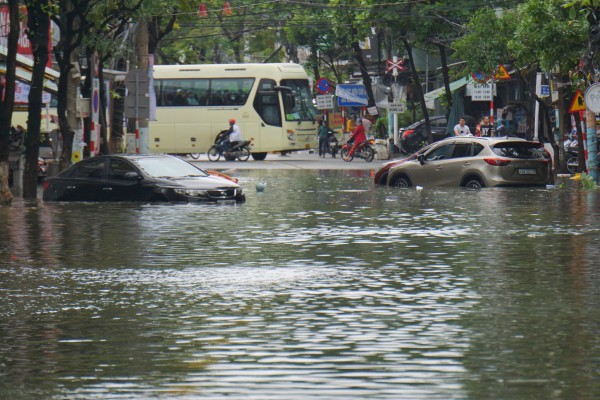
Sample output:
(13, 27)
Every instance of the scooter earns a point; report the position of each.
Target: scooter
(364, 151)
(240, 150)
(333, 144)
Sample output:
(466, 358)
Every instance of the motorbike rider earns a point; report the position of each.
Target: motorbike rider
(234, 135)
(358, 136)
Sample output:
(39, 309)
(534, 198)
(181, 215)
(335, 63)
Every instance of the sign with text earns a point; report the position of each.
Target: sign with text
(351, 95)
(324, 102)
(482, 91)
(397, 108)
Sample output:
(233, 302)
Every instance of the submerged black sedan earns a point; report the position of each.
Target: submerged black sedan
(140, 177)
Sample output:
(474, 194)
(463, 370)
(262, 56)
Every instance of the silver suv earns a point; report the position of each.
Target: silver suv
(471, 162)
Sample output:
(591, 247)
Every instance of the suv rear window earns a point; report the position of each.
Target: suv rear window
(525, 151)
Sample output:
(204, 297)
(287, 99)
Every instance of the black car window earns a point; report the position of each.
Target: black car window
(440, 153)
(517, 150)
(439, 123)
(90, 169)
(118, 168)
(461, 150)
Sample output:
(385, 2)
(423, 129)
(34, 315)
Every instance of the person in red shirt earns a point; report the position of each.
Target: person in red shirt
(358, 136)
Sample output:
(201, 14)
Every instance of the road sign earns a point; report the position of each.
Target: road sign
(482, 92)
(324, 102)
(351, 95)
(592, 98)
(137, 102)
(502, 73)
(323, 86)
(396, 108)
(479, 77)
(395, 64)
(578, 103)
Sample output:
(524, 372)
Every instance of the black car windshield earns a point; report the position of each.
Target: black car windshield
(171, 167)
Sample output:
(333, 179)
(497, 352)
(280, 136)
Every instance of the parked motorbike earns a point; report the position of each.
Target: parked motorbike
(333, 144)
(364, 151)
(240, 150)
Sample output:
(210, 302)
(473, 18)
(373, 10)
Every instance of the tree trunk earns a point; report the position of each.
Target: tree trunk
(116, 133)
(446, 76)
(7, 99)
(419, 90)
(38, 23)
(358, 56)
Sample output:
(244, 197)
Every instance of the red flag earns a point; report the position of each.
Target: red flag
(226, 9)
(202, 11)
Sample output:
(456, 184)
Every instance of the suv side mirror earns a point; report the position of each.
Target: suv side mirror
(421, 159)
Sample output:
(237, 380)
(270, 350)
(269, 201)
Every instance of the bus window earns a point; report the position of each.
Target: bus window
(230, 91)
(202, 92)
(298, 102)
(181, 92)
(266, 103)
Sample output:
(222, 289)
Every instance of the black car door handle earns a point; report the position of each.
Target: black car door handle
(107, 189)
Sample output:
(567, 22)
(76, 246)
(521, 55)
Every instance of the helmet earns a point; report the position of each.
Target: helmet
(232, 121)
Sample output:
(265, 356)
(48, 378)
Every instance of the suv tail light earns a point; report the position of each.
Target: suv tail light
(498, 162)
(407, 133)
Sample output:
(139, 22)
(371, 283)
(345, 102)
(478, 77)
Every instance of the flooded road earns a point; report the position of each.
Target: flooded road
(320, 287)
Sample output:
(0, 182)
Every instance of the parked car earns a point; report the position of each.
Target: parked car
(470, 162)
(140, 177)
(414, 137)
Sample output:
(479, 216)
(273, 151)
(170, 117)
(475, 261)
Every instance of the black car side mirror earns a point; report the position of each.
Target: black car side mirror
(131, 176)
(421, 159)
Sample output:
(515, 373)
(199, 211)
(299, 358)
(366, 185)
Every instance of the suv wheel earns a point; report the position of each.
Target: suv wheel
(400, 182)
(473, 184)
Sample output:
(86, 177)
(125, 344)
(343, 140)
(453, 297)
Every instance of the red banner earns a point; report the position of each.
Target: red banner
(24, 48)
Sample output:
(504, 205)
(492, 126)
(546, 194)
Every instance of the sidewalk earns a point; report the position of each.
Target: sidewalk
(295, 160)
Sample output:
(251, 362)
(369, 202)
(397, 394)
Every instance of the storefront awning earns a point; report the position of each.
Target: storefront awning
(434, 94)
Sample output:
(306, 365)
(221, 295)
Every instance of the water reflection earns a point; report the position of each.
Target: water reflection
(322, 286)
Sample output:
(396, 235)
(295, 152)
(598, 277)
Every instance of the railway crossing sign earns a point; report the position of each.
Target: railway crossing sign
(394, 65)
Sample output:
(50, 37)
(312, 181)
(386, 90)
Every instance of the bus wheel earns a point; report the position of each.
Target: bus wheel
(213, 154)
(244, 154)
(259, 156)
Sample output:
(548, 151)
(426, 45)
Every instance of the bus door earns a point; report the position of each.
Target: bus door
(267, 105)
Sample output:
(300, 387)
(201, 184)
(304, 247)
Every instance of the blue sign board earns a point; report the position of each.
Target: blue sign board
(545, 90)
(351, 95)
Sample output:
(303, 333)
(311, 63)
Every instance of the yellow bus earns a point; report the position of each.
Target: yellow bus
(271, 103)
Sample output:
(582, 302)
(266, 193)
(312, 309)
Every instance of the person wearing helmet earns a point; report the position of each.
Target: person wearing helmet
(234, 135)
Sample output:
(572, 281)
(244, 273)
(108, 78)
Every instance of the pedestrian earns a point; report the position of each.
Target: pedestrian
(323, 133)
(484, 128)
(461, 129)
(501, 129)
(351, 123)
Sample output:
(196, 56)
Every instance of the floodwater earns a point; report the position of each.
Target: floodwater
(321, 287)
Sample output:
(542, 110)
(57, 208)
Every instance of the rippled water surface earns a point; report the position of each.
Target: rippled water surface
(320, 287)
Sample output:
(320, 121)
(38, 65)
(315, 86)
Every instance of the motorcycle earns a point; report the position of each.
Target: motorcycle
(241, 150)
(364, 151)
(42, 169)
(333, 144)
(571, 147)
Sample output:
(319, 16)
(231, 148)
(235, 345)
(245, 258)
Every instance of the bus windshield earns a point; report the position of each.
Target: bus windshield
(298, 103)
